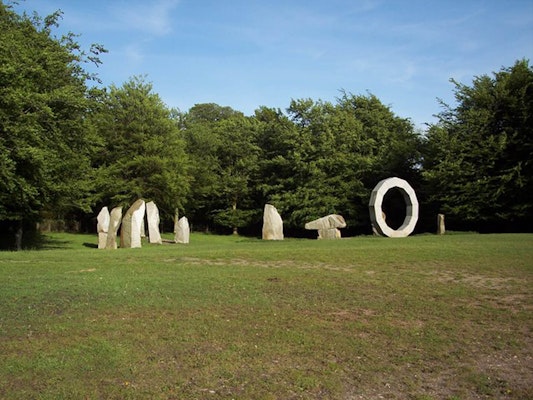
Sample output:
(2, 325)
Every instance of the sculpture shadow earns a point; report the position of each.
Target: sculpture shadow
(90, 245)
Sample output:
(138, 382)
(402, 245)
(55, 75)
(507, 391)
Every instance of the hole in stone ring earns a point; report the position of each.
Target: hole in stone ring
(376, 208)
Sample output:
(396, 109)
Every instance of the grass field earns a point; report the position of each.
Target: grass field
(225, 317)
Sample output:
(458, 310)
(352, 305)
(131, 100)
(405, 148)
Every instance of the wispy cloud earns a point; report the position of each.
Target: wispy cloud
(154, 17)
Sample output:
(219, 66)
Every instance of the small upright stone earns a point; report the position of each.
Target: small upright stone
(272, 224)
(182, 231)
(152, 215)
(441, 228)
(132, 223)
(114, 223)
(102, 227)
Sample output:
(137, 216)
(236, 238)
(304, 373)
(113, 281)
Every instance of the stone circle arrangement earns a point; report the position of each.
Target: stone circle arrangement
(132, 224)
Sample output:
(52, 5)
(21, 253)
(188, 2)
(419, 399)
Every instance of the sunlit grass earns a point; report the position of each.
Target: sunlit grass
(232, 317)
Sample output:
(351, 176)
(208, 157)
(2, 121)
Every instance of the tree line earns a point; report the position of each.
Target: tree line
(69, 146)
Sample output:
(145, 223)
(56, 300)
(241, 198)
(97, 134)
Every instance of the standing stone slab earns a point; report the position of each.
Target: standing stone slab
(441, 227)
(152, 215)
(411, 207)
(327, 226)
(132, 224)
(182, 231)
(114, 223)
(102, 227)
(272, 224)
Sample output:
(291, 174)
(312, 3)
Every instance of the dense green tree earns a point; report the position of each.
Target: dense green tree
(203, 146)
(223, 153)
(238, 158)
(478, 158)
(142, 154)
(45, 147)
(325, 158)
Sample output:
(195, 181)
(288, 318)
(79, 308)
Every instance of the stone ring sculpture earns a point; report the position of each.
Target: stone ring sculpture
(376, 213)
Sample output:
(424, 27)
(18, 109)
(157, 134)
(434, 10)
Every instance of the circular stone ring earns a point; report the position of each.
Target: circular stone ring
(411, 207)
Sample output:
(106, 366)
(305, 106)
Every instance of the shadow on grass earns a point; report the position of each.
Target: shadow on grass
(52, 243)
(34, 241)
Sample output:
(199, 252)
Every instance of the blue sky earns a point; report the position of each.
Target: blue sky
(251, 53)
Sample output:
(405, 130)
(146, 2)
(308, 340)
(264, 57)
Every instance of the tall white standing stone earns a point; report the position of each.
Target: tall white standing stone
(114, 223)
(132, 224)
(152, 215)
(272, 224)
(182, 231)
(102, 227)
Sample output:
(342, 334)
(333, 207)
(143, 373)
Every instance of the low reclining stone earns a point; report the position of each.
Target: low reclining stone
(327, 226)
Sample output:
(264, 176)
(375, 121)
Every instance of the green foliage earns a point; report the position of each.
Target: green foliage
(142, 154)
(224, 154)
(332, 155)
(478, 159)
(44, 149)
(66, 149)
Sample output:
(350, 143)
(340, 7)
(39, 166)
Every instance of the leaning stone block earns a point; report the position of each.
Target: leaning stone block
(102, 227)
(132, 223)
(152, 215)
(114, 223)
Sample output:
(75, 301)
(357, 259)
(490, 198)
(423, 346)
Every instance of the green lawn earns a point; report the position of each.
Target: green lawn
(225, 317)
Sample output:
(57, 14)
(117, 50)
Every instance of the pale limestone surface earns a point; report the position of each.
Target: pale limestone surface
(332, 233)
(411, 207)
(114, 223)
(328, 222)
(102, 227)
(152, 215)
(327, 226)
(183, 231)
(272, 224)
(132, 224)
(441, 227)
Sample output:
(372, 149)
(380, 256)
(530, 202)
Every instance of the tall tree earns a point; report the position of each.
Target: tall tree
(44, 149)
(478, 159)
(238, 157)
(143, 154)
(221, 144)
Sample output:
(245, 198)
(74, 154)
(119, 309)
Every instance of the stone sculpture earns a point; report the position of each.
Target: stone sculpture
(376, 213)
(132, 223)
(114, 223)
(441, 227)
(272, 224)
(182, 231)
(102, 227)
(327, 226)
(152, 215)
